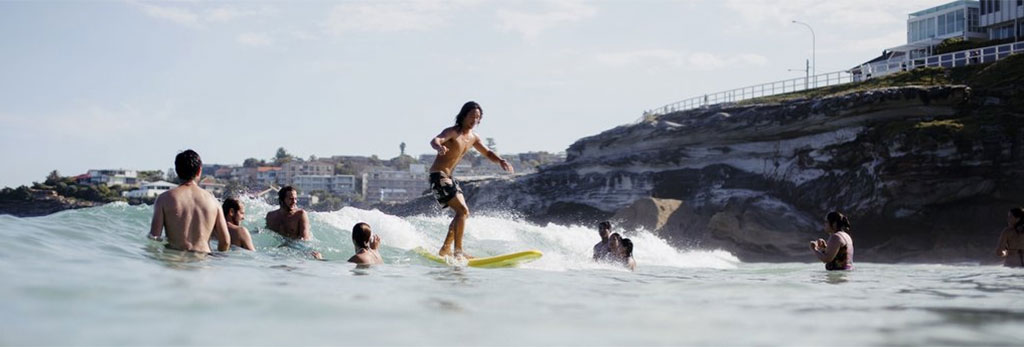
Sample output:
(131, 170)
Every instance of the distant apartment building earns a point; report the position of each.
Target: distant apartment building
(394, 186)
(211, 185)
(335, 184)
(110, 177)
(268, 175)
(1001, 19)
(224, 172)
(304, 168)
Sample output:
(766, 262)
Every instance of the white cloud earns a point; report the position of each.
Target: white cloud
(196, 16)
(178, 15)
(674, 59)
(838, 13)
(388, 16)
(531, 24)
(255, 39)
(229, 13)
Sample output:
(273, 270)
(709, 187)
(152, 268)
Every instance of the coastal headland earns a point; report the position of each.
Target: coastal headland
(925, 162)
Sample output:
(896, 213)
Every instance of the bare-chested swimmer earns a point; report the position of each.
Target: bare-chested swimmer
(189, 214)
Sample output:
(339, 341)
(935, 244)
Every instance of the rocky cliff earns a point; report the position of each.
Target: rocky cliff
(926, 172)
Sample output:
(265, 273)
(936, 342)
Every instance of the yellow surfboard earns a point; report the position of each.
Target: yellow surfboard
(504, 260)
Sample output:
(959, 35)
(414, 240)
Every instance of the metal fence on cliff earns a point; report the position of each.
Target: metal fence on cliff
(948, 60)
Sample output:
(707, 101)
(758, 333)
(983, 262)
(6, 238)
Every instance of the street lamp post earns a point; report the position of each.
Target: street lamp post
(814, 63)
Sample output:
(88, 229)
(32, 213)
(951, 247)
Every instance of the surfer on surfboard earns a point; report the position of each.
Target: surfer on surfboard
(451, 144)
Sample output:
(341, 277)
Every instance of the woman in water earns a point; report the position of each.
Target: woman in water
(1011, 240)
(837, 252)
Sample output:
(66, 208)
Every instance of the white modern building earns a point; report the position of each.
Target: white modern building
(150, 190)
(1002, 19)
(112, 177)
(927, 28)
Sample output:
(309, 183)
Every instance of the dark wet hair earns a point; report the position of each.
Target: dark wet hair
(187, 165)
(627, 245)
(838, 221)
(466, 109)
(606, 225)
(231, 204)
(281, 194)
(1019, 213)
(361, 235)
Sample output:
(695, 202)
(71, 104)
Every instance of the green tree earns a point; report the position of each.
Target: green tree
(253, 162)
(53, 178)
(282, 157)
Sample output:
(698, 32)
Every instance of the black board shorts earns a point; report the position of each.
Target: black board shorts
(443, 191)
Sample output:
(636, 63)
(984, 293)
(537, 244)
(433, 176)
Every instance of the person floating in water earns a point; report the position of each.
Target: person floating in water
(451, 144)
(1011, 240)
(289, 220)
(189, 214)
(367, 246)
(620, 251)
(234, 212)
(837, 252)
(601, 248)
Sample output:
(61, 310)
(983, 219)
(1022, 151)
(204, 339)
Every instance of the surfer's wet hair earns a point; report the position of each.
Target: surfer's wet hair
(838, 221)
(1018, 212)
(283, 193)
(229, 205)
(187, 165)
(606, 225)
(466, 109)
(361, 235)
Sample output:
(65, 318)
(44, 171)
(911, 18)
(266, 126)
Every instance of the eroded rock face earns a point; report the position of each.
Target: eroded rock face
(925, 173)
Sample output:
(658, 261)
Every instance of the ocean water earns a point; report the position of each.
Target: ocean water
(90, 277)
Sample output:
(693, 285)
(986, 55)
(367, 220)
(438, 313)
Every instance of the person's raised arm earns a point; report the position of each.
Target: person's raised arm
(834, 243)
(486, 152)
(220, 232)
(437, 143)
(156, 228)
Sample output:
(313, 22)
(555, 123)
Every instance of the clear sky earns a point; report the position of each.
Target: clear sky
(128, 84)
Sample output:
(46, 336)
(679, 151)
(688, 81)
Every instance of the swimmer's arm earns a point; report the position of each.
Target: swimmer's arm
(245, 239)
(494, 157)
(157, 226)
(304, 227)
(1001, 246)
(220, 232)
(830, 252)
(631, 264)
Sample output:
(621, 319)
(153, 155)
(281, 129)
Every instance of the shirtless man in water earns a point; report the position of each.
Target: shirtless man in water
(289, 220)
(450, 145)
(234, 212)
(187, 213)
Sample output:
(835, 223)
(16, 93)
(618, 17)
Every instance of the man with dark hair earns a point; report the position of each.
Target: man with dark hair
(367, 245)
(451, 144)
(601, 250)
(289, 220)
(189, 214)
(234, 212)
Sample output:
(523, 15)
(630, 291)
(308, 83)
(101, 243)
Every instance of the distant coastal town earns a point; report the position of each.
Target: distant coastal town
(323, 183)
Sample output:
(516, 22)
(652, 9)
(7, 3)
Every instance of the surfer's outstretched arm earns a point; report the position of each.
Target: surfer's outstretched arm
(494, 157)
